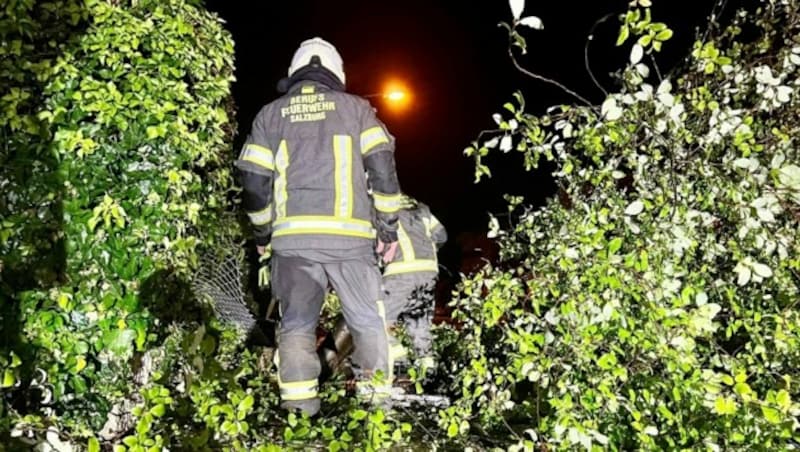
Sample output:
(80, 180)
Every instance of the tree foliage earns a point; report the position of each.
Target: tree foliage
(654, 302)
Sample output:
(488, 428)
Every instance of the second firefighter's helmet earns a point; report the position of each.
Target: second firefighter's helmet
(326, 56)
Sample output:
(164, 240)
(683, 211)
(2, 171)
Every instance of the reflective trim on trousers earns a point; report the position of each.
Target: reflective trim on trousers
(298, 390)
(421, 265)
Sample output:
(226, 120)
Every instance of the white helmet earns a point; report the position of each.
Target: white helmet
(329, 58)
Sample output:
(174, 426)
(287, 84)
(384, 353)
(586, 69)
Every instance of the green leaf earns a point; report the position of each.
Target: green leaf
(358, 415)
(724, 406)
(452, 430)
(624, 32)
(664, 35)
(120, 342)
(93, 445)
(772, 415)
(8, 378)
(784, 400)
(607, 361)
(158, 410)
(614, 245)
(153, 132)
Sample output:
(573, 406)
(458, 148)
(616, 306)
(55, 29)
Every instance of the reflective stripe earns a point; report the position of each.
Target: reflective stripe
(371, 138)
(281, 164)
(309, 89)
(323, 225)
(421, 265)
(259, 155)
(298, 390)
(405, 244)
(389, 358)
(261, 217)
(343, 175)
(387, 203)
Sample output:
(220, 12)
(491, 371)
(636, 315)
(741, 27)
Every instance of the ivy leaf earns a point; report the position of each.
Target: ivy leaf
(533, 22)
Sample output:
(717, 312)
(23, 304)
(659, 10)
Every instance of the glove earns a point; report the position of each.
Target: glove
(387, 229)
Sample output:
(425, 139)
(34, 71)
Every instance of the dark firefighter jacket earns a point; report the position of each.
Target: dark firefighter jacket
(419, 235)
(303, 171)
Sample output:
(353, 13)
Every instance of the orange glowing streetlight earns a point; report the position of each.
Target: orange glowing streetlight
(396, 95)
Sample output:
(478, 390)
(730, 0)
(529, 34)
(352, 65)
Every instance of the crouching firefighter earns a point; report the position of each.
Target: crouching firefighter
(410, 281)
(306, 192)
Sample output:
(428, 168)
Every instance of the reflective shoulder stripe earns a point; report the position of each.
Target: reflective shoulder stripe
(387, 203)
(298, 390)
(323, 225)
(261, 217)
(259, 155)
(371, 138)
(421, 265)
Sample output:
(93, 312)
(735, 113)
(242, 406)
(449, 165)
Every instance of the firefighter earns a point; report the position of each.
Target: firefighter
(306, 168)
(410, 281)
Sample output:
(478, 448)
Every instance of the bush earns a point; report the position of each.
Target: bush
(115, 174)
(653, 303)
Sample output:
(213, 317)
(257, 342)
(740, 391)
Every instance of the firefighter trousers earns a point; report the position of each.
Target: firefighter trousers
(410, 297)
(300, 281)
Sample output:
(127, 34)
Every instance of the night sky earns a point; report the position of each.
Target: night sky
(453, 58)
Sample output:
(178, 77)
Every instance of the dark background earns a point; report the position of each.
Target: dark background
(453, 58)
